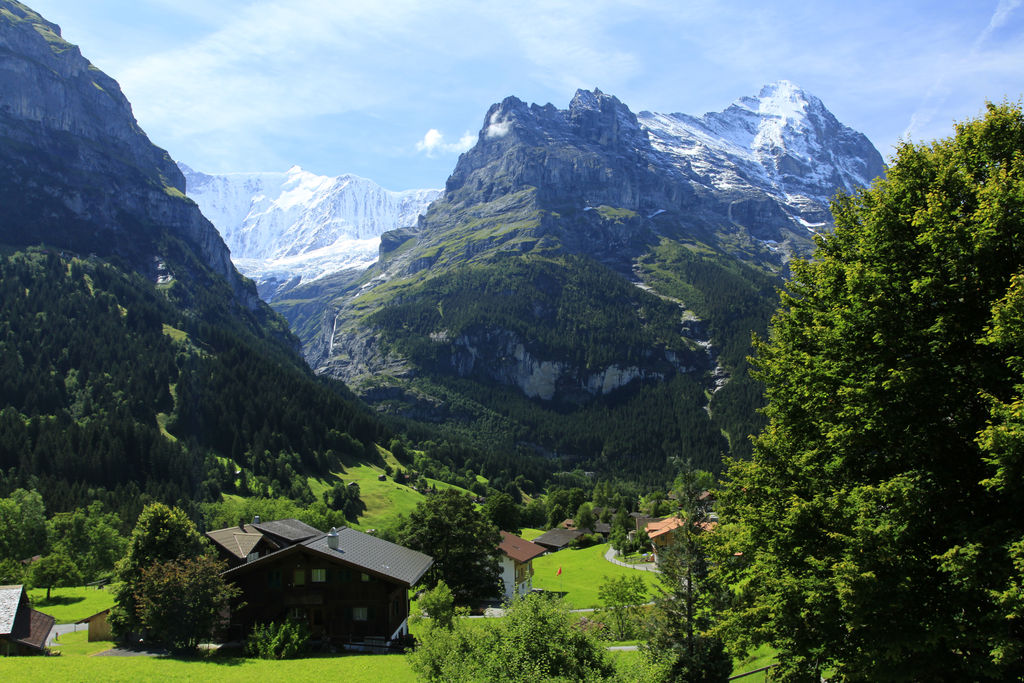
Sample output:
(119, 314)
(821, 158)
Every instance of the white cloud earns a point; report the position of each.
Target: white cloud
(433, 143)
(497, 128)
(972, 67)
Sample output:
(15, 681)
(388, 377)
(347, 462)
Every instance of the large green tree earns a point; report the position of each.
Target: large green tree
(91, 537)
(23, 524)
(161, 534)
(181, 602)
(877, 531)
(463, 543)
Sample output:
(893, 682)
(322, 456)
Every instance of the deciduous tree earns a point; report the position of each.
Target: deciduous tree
(622, 598)
(54, 570)
(878, 529)
(180, 602)
(162, 534)
(463, 543)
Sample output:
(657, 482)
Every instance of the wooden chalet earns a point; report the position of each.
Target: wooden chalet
(556, 539)
(349, 588)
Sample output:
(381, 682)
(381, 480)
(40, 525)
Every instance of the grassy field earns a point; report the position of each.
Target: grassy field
(583, 571)
(384, 500)
(68, 605)
(351, 668)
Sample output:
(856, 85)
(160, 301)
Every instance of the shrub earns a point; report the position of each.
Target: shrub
(277, 641)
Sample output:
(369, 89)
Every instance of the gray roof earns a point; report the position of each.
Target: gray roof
(289, 529)
(375, 554)
(363, 551)
(237, 540)
(557, 538)
(10, 598)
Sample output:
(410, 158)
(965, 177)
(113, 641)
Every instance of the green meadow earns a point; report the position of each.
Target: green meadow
(68, 605)
(583, 572)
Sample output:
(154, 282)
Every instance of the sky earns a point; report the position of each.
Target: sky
(393, 91)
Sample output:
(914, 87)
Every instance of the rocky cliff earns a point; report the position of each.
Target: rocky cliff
(77, 172)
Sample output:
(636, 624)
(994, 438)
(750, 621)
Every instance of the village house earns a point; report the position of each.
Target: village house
(517, 564)
(661, 532)
(557, 539)
(349, 588)
(23, 630)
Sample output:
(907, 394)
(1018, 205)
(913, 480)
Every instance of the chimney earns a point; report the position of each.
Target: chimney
(332, 539)
(256, 519)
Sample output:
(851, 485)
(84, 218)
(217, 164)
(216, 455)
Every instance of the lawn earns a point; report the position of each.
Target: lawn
(583, 571)
(68, 605)
(75, 665)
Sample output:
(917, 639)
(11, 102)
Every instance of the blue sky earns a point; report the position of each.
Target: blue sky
(394, 90)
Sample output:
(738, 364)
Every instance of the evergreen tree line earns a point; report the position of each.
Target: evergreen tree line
(109, 386)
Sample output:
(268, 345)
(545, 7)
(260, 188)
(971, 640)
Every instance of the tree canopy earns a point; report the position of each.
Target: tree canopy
(878, 530)
(162, 534)
(463, 543)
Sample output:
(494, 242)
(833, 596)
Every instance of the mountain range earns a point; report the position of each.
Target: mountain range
(580, 295)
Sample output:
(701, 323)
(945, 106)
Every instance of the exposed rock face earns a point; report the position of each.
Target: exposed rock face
(501, 356)
(85, 176)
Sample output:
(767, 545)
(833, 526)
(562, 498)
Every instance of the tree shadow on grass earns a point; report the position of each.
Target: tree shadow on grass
(57, 600)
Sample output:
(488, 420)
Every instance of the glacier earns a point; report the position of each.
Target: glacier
(298, 226)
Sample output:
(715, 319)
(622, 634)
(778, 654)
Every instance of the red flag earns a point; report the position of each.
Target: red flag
(559, 572)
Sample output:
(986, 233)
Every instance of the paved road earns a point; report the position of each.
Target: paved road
(645, 567)
(60, 629)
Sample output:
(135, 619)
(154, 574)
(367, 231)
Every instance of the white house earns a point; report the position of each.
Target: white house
(517, 564)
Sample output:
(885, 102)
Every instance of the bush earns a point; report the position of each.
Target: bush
(277, 641)
(586, 540)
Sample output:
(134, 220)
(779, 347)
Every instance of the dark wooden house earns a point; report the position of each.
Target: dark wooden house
(347, 586)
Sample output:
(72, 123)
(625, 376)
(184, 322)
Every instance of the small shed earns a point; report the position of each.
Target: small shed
(99, 626)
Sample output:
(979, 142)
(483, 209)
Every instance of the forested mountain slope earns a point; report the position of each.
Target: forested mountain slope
(135, 358)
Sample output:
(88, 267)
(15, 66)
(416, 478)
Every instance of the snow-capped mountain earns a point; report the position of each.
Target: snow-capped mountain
(783, 143)
(297, 226)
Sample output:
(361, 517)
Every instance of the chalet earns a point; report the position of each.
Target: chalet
(556, 539)
(23, 630)
(517, 564)
(348, 587)
(247, 542)
(661, 532)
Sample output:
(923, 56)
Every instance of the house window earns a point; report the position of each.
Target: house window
(360, 613)
(254, 555)
(274, 578)
(318, 576)
(365, 578)
(299, 578)
(297, 614)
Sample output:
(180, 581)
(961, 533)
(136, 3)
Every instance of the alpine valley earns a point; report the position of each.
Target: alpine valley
(586, 286)
(580, 296)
